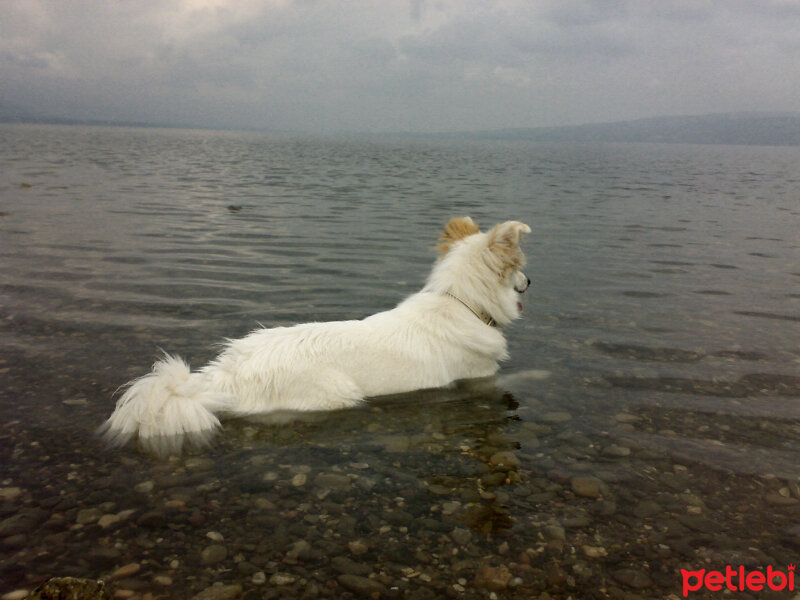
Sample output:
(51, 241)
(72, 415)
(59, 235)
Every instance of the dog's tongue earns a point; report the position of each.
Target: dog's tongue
(519, 306)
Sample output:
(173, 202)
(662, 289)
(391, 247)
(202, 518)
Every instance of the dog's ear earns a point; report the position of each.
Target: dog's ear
(504, 241)
(456, 229)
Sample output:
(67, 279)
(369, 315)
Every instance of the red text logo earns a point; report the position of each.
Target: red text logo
(738, 580)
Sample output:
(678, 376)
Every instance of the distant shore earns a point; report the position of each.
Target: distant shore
(748, 129)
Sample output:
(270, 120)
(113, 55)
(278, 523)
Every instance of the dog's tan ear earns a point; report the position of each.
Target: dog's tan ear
(456, 229)
(504, 240)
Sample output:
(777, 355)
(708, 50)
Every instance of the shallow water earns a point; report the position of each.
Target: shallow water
(651, 405)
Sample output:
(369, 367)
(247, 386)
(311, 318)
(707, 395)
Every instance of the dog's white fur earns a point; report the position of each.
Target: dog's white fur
(439, 335)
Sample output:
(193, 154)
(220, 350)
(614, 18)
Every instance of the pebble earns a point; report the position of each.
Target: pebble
(633, 578)
(555, 417)
(451, 507)
(616, 451)
(504, 461)
(439, 490)
(145, 487)
(348, 566)
(10, 494)
(264, 504)
(554, 532)
(282, 579)
(154, 519)
(107, 521)
(778, 500)
(333, 481)
(259, 578)
(626, 418)
(22, 522)
(163, 580)
(358, 547)
(213, 554)
(299, 480)
(300, 549)
(647, 508)
(126, 571)
(461, 536)
(88, 515)
(215, 536)
(219, 592)
(492, 578)
(595, 551)
(361, 586)
(15, 595)
(588, 487)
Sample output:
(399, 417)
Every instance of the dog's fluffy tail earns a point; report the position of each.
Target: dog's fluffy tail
(165, 410)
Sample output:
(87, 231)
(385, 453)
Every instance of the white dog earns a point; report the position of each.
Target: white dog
(450, 330)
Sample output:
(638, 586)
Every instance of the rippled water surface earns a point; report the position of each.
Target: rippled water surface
(648, 420)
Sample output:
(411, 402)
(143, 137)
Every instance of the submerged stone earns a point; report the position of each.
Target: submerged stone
(70, 588)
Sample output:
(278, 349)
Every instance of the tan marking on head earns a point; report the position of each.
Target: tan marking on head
(456, 229)
(504, 243)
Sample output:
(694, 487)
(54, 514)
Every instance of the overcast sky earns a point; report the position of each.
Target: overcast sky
(396, 65)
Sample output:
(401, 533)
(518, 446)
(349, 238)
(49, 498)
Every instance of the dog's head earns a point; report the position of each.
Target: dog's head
(483, 269)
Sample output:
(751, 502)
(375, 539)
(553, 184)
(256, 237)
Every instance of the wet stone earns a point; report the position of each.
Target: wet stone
(492, 578)
(633, 578)
(556, 576)
(259, 578)
(461, 536)
(280, 579)
(698, 523)
(792, 536)
(213, 554)
(126, 571)
(333, 481)
(626, 418)
(152, 519)
(348, 566)
(504, 461)
(647, 508)
(301, 549)
(555, 417)
(22, 522)
(616, 451)
(72, 588)
(576, 521)
(493, 479)
(554, 532)
(219, 592)
(588, 487)
(780, 500)
(9, 494)
(108, 521)
(358, 547)
(104, 558)
(439, 490)
(361, 586)
(15, 542)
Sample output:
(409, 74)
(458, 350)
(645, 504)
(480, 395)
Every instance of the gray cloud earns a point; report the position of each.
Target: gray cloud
(394, 65)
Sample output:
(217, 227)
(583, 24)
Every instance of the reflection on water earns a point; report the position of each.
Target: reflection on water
(647, 422)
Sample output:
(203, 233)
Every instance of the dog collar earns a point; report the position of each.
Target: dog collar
(486, 318)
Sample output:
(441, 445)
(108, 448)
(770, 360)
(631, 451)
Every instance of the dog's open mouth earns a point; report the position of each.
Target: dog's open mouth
(519, 306)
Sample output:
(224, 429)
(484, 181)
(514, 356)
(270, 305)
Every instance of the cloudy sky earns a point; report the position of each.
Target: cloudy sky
(396, 65)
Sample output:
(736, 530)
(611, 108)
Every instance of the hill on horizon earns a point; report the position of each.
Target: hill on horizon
(759, 129)
(750, 128)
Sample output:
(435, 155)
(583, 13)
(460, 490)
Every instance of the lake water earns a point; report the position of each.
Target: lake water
(648, 420)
